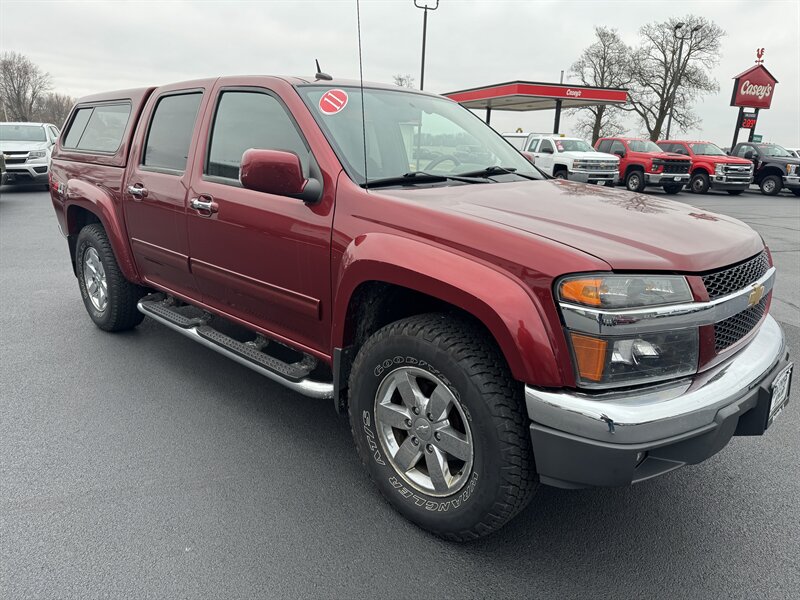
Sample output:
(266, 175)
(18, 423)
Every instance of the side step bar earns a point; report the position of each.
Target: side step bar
(293, 376)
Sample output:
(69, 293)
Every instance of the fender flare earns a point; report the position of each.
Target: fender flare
(701, 169)
(100, 202)
(504, 304)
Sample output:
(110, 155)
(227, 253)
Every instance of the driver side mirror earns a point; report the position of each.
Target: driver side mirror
(749, 155)
(277, 172)
(620, 153)
(546, 150)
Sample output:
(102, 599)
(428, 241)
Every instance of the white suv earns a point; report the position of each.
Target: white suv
(570, 158)
(26, 148)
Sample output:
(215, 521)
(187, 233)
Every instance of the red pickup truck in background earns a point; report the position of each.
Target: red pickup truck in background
(642, 163)
(712, 167)
(485, 328)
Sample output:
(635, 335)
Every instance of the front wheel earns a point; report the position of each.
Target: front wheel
(561, 174)
(700, 183)
(440, 426)
(771, 185)
(634, 181)
(110, 299)
(673, 189)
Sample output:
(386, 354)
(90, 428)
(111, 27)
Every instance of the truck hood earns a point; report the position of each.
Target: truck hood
(781, 160)
(21, 146)
(628, 231)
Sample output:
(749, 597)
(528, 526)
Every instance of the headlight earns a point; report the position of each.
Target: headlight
(791, 169)
(624, 291)
(719, 169)
(605, 361)
(646, 358)
(36, 154)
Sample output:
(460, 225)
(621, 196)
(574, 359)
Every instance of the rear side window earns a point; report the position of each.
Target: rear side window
(98, 128)
(532, 146)
(605, 146)
(247, 120)
(170, 132)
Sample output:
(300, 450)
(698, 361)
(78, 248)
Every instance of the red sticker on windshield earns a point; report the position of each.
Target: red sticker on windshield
(333, 101)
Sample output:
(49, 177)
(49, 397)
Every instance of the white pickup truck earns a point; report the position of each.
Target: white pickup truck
(568, 158)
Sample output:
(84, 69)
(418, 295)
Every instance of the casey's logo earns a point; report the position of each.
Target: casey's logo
(759, 91)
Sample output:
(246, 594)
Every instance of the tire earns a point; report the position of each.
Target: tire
(94, 257)
(450, 359)
(634, 181)
(771, 185)
(673, 189)
(560, 174)
(735, 192)
(700, 183)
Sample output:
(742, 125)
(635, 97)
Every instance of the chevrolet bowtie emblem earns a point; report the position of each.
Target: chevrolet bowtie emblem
(756, 295)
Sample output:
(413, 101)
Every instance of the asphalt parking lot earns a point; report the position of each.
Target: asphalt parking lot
(141, 465)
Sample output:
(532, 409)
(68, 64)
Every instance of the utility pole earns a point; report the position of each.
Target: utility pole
(425, 8)
(682, 38)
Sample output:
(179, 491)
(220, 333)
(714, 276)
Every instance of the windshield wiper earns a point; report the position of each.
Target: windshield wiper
(415, 177)
(497, 170)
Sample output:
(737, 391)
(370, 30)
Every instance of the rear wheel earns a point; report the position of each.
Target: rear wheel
(735, 192)
(771, 185)
(634, 181)
(440, 426)
(700, 183)
(110, 299)
(673, 189)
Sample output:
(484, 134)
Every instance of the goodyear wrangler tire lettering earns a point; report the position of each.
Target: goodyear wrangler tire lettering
(440, 425)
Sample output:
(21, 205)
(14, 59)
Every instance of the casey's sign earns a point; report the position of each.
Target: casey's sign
(753, 88)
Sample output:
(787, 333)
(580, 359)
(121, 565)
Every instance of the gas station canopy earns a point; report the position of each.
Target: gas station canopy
(532, 95)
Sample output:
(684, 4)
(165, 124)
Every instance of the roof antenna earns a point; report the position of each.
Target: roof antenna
(361, 85)
(320, 75)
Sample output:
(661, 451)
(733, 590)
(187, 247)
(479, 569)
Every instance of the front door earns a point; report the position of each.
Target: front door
(544, 157)
(156, 188)
(261, 258)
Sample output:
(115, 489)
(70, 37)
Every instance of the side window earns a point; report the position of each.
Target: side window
(246, 120)
(617, 146)
(665, 147)
(605, 146)
(546, 147)
(98, 128)
(170, 133)
(53, 133)
(533, 144)
(743, 149)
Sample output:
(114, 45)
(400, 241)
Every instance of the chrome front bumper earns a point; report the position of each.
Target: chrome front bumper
(666, 178)
(594, 176)
(665, 411)
(791, 181)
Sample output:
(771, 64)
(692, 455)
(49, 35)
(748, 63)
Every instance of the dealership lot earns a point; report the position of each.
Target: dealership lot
(142, 465)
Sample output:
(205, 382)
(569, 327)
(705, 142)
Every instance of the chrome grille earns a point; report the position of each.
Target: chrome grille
(732, 279)
(733, 329)
(737, 169)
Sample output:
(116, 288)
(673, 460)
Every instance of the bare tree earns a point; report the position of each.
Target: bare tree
(22, 85)
(605, 63)
(404, 80)
(669, 74)
(53, 108)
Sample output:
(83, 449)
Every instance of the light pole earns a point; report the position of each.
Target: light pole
(425, 8)
(682, 38)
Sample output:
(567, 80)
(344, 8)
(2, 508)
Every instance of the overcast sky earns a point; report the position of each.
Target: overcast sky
(90, 47)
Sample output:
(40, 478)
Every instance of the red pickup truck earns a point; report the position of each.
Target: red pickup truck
(486, 328)
(712, 167)
(642, 164)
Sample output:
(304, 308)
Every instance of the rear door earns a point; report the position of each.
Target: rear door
(155, 190)
(260, 258)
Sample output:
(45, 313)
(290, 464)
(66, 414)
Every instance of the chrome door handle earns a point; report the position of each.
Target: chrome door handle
(139, 192)
(208, 206)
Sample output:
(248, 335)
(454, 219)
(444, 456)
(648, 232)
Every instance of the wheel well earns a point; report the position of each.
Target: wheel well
(77, 218)
(373, 305)
(559, 167)
(700, 170)
(765, 172)
(633, 168)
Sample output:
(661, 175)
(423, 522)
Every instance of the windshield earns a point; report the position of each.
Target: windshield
(573, 146)
(410, 132)
(22, 133)
(707, 149)
(774, 150)
(643, 146)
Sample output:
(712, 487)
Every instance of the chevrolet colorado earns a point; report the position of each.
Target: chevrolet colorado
(486, 329)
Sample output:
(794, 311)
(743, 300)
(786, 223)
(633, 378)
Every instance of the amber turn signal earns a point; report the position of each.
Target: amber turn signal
(582, 291)
(590, 356)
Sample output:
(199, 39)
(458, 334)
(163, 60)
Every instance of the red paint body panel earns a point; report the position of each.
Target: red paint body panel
(705, 162)
(288, 269)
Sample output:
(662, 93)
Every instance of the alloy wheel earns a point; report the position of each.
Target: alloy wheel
(94, 277)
